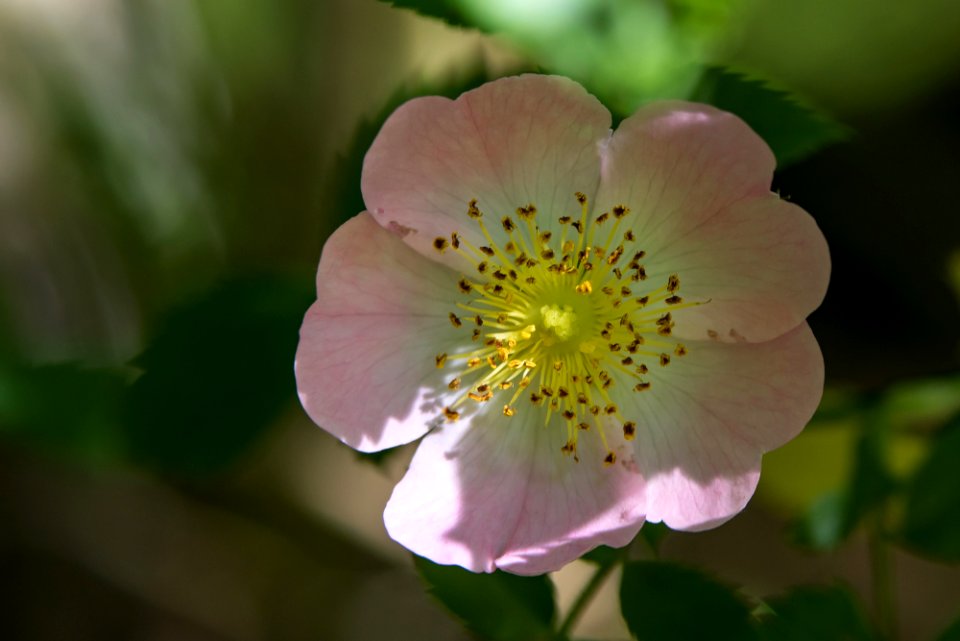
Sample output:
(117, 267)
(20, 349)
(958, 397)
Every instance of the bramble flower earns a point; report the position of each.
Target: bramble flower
(591, 328)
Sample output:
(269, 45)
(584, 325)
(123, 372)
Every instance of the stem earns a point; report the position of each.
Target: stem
(881, 570)
(586, 595)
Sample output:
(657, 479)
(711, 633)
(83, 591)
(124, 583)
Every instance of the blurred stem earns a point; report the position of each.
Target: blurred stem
(881, 569)
(586, 595)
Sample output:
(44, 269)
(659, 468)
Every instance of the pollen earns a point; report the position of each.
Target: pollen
(559, 302)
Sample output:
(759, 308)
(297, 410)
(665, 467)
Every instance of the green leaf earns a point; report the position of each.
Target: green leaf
(792, 128)
(872, 482)
(815, 614)
(932, 521)
(447, 10)
(824, 525)
(654, 534)
(217, 375)
(602, 555)
(65, 409)
(664, 601)
(497, 606)
(833, 517)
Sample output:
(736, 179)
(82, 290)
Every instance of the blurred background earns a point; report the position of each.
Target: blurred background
(169, 171)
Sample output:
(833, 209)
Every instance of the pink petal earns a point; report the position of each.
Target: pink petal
(365, 365)
(511, 142)
(677, 164)
(762, 264)
(697, 181)
(498, 493)
(708, 417)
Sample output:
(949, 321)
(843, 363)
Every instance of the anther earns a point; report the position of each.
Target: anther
(673, 283)
(454, 384)
(451, 414)
(440, 244)
(441, 359)
(609, 459)
(472, 210)
(455, 320)
(629, 430)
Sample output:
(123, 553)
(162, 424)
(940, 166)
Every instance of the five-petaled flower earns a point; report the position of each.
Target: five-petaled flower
(591, 328)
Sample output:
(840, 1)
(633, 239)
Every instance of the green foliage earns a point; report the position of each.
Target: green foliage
(446, 10)
(825, 525)
(497, 606)
(664, 601)
(654, 534)
(932, 521)
(814, 614)
(65, 409)
(602, 555)
(791, 128)
(835, 515)
(215, 376)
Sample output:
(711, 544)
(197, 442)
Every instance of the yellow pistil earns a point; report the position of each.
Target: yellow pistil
(560, 321)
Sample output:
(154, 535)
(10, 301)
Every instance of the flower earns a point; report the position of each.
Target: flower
(591, 328)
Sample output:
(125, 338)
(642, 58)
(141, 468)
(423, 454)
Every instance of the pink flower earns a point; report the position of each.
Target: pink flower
(591, 328)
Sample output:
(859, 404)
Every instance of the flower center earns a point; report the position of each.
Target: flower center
(558, 320)
(560, 323)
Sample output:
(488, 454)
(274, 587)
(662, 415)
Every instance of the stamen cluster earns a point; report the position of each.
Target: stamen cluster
(559, 321)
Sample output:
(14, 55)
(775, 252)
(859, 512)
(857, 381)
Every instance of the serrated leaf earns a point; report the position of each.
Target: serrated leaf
(792, 128)
(497, 606)
(932, 521)
(447, 10)
(815, 613)
(216, 375)
(665, 601)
